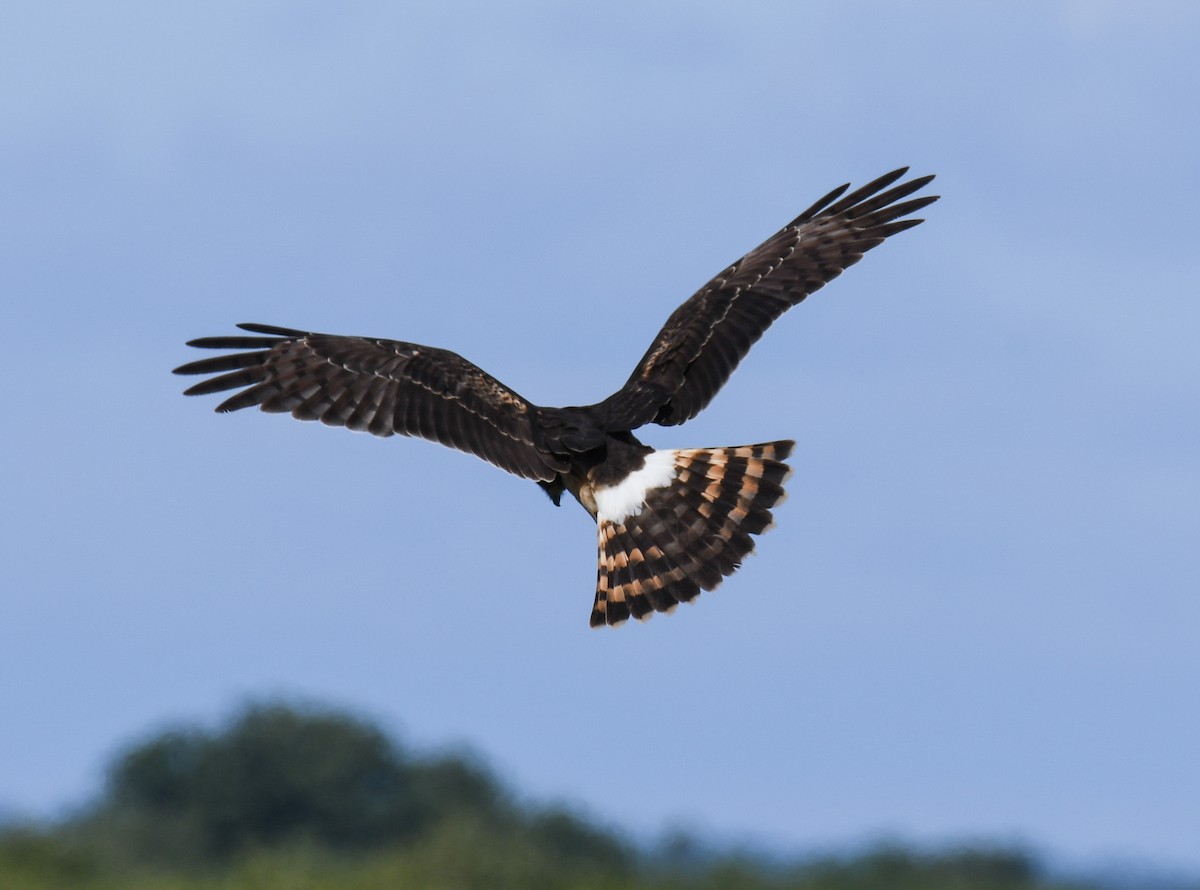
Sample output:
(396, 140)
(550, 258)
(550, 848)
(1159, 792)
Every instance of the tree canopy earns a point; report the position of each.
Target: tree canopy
(320, 798)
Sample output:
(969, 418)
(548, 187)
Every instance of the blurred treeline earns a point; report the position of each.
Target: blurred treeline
(295, 798)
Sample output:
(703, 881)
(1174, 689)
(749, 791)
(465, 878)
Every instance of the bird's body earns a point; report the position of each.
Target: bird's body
(670, 523)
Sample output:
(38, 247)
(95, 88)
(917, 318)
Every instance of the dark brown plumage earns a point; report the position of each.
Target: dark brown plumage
(670, 522)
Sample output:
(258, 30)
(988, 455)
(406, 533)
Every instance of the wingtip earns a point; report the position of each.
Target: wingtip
(912, 184)
(271, 329)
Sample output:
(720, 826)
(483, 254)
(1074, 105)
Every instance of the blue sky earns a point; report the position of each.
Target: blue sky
(978, 615)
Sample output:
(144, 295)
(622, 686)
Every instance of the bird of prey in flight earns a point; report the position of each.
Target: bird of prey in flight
(671, 522)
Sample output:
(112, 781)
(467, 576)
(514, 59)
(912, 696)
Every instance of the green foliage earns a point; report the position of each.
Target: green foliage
(274, 775)
(286, 798)
(898, 869)
(32, 859)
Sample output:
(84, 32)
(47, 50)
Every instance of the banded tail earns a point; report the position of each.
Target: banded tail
(681, 524)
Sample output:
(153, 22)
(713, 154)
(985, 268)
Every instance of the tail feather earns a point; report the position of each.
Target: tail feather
(690, 546)
(683, 531)
(638, 576)
(690, 533)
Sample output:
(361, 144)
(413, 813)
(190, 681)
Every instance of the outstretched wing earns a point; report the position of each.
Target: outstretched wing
(380, 386)
(705, 338)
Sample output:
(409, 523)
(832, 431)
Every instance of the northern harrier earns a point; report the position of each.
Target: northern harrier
(671, 523)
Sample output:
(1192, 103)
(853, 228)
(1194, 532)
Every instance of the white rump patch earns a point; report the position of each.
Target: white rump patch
(627, 498)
